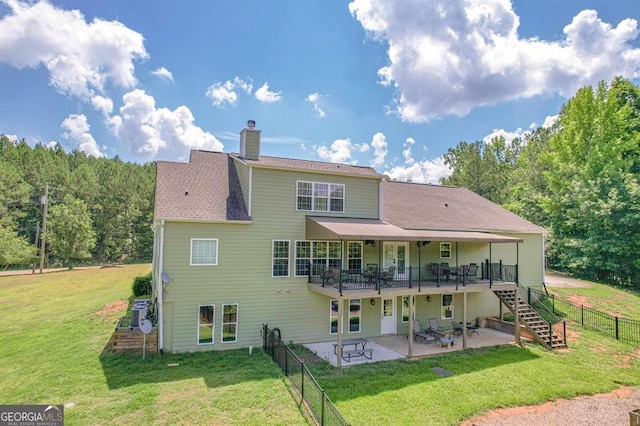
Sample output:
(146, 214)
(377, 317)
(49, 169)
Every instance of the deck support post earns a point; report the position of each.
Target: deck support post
(339, 332)
(410, 335)
(464, 320)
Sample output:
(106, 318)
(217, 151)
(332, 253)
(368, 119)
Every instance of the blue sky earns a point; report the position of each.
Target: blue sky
(370, 82)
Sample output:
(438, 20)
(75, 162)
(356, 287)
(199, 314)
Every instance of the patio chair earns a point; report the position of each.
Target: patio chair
(386, 276)
(434, 328)
(417, 332)
(457, 328)
(472, 272)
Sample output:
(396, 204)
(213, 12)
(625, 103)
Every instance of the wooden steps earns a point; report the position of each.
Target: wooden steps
(130, 340)
(538, 327)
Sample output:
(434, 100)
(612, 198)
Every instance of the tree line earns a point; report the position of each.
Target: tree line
(579, 179)
(98, 208)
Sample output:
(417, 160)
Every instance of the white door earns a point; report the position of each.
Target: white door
(388, 324)
(396, 254)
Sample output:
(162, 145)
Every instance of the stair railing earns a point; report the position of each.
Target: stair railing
(537, 302)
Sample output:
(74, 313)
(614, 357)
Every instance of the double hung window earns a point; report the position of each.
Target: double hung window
(320, 197)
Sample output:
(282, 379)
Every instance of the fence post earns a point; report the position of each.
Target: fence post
(410, 276)
(617, 325)
(302, 385)
(324, 396)
(582, 315)
(529, 295)
(550, 334)
(564, 332)
(553, 304)
(286, 363)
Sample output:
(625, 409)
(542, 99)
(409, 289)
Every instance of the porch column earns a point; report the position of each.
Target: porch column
(516, 304)
(339, 334)
(410, 334)
(464, 320)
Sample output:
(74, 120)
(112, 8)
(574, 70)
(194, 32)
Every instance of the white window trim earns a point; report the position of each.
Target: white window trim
(288, 259)
(450, 251)
(361, 244)
(402, 309)
(359, 330)
(215, 261)
(222, 323)
(213, 326)
(311, 259)
(313, 209)
(337, 317)
(442, 316)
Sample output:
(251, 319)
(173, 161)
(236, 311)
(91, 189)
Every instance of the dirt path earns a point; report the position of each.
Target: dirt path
(607, 409)
(46, 271)
(559, 280)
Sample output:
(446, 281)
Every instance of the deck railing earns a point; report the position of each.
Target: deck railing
(411, 277)
(311, 394)
(620, 328)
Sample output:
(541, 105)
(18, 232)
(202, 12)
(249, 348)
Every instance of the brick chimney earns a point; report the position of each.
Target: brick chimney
(250, 142)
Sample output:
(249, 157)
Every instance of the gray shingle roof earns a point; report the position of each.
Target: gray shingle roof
(206, 188)
(312, 166)
(438, 207)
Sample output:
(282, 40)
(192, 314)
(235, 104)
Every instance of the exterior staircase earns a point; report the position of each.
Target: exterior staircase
(541, 329)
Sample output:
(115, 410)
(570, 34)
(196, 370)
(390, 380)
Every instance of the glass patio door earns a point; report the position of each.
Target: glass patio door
(396, 254)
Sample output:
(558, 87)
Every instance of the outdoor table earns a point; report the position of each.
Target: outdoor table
(347, 342)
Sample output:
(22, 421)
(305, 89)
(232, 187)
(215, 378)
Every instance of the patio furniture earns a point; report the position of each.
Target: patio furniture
(457, 328)
(434, 328)
(472, 328)
(447, 340)
(417, 332)
(472, 272)
(347, 354)
(386, 276)
(371, 272)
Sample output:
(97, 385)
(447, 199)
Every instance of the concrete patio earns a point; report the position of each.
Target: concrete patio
(396, 346)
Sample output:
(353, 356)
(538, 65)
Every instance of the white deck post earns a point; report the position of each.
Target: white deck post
(410, 335)
(339, 342)
(464, 319)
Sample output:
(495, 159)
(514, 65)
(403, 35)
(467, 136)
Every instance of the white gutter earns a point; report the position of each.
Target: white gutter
(160, 288)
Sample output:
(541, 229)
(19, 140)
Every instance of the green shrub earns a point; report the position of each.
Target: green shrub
(142, 285)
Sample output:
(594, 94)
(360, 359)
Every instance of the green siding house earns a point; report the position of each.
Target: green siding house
(322, 251)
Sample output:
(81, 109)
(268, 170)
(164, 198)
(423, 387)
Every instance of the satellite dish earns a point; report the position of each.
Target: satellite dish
(165, 277)
(145, 326)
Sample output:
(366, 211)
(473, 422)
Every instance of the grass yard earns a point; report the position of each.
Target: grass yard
(55, 327)
(615, 301)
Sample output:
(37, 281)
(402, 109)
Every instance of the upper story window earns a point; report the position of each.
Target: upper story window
(204, 251)
(320, 197)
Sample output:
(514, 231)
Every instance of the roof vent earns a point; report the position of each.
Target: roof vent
(251, 124)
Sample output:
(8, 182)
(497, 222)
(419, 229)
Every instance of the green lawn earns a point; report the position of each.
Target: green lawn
(615, 301)
(55, 327)
(410, 392)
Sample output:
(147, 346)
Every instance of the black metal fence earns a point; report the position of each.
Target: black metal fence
(620, 328)
(312, 395)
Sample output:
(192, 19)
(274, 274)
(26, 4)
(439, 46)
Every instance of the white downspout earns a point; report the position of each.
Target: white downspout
(250, 189)
(160, 288)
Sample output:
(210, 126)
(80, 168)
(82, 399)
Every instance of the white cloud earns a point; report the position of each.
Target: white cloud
(406, 153)
(52, 145)
(501, 133)
(103, 104)
(13, 138)
(265, 96)
(225, 93)
(550, 120)
(77, 130)
(80, 56)
(146, 130)
(448, 57)
(379, 144)
(316, 101)
(162, 72)
(426, 171)
(339, 152)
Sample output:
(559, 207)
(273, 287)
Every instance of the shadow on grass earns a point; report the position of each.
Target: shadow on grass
(216, 368)
(374, 378)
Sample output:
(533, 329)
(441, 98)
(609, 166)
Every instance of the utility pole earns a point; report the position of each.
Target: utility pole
(45, 201)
